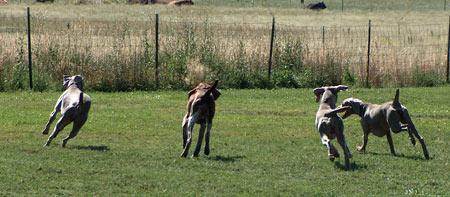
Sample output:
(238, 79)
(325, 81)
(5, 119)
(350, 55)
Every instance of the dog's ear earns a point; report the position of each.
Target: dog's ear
(66, 80)
(191, 92)
(318, 92)
(216, 93)
(341, 87)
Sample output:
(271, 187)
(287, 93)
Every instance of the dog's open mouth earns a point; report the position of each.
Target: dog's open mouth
(347, 112)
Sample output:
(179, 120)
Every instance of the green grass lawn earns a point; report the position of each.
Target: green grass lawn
(263, 143)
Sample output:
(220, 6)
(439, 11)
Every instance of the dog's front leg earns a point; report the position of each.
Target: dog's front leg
(362, 148)
(391, 143)
(410, 134)
(413, 129)
(191, 121)
(53, 115)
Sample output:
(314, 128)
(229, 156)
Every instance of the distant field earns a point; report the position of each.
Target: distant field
(114, 43)
(263, 143)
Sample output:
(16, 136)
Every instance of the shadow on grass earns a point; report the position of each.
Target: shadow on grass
(354, 166)
(92, 147)
(413, 157)
(227, 159)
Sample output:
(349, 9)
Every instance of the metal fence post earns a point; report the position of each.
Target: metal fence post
(448, 52)
(30, 62)
(157, 50)
(271, 47)
(342, 5)
(323, 36)
(368, 56)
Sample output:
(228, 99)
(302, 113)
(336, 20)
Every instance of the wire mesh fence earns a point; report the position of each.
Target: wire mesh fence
(120, 55)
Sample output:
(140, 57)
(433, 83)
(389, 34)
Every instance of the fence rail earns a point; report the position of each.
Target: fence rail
(121, 55)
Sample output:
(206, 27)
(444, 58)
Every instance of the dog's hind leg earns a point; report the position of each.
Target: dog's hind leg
(191, 121)
(184, 127)
(200, 139)
(77, 124)
(207, 137)
(332, 151)
(62, 122)
(347, 154)
(391, 143)
(53, 115)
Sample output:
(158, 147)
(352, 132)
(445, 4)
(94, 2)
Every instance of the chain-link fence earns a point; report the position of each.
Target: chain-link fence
(121, 55)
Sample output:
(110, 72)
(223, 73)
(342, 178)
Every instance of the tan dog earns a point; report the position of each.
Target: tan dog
(74, 106)
(200, 109)
(328, 123)
(380, 120)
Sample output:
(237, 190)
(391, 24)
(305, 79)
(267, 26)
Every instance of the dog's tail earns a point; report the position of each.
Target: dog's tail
(396, 103)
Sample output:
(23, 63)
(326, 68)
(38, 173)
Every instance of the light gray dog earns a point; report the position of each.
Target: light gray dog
(201, 108)
(328, 123)
(74, 106)
(381, 119)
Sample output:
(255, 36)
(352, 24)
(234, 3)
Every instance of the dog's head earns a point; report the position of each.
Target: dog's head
(354, 107)
(328, 94)
(76, 80)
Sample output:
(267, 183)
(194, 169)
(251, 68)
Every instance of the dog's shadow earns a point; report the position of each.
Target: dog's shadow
(412, 157)
(353, 166)
(227, 159)
(100, 148)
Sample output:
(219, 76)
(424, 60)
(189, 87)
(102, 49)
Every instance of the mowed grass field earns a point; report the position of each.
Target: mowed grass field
(263, 143)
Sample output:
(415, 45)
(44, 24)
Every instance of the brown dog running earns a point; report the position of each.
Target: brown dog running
(201, 108)
(380, 120)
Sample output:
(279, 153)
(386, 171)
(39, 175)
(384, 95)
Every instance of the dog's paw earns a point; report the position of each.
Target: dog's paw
(45, 132)
(350, 156)
(331, 157)
(206, 151)
(413, 141)
(184, 154)
(361, 149)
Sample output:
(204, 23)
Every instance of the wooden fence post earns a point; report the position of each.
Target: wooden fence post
(272, 37)
(342, 5)
(30, 61)
(157, 50)
(368, 56)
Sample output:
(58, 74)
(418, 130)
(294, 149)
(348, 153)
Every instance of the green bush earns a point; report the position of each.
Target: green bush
(349, 78)
(427, 78)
